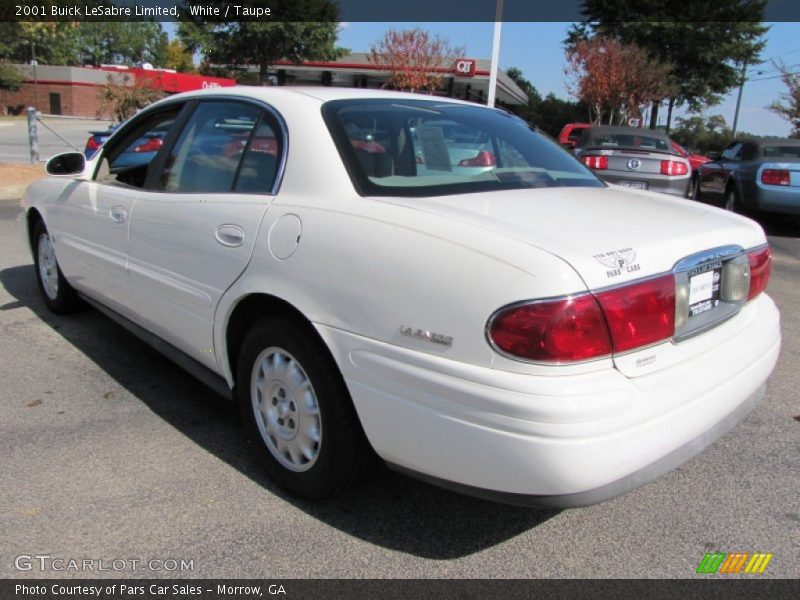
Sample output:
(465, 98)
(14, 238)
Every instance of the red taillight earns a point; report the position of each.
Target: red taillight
(151, 145)
(673, 167)
(595, 162)
(775, 176)
(760, 266)
(482, 159)
(93, 143)
(589, 326)
(567, 329)
(640, 314)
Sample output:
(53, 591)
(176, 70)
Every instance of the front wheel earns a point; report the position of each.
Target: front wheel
(298, 412)
(58, 294)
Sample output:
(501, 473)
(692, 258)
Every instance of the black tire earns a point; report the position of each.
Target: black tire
(341, 456)
(732, 201)
(693, 193)
(58, 294)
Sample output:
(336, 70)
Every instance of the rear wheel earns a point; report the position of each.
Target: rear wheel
(298, 412)
(58, 294)
(694, 188)
(732, 201)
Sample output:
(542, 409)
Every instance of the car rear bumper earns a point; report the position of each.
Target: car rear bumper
(778, 200)
(555, 441)
(655, 183)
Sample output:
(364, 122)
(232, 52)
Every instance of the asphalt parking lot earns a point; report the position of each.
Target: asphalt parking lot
(111, 452)
(15, 145)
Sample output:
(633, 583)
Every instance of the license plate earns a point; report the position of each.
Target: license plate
(704, 286)
(639, 185)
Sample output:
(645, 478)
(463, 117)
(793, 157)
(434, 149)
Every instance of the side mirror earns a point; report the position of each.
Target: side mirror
(67, 164)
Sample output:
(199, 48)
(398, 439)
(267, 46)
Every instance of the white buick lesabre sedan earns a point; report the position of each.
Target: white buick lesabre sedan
(425, 281)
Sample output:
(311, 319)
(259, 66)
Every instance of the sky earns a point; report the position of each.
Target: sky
(536, 49)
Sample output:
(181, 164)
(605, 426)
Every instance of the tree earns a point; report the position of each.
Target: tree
(705, 134)
(549, 114)
(297, 31)
(10, 81)
(178, 57)
(616, 80)
(120, 100)
(706, 43)
(80, 43)
(122, 43)
(790, 110)
(415, 59)
(530, 110)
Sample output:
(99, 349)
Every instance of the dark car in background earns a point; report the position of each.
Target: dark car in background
(754, 175)
(141, 152)
(638, 158)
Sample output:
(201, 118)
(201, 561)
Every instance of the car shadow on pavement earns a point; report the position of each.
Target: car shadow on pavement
(390, 510)
(778, 225)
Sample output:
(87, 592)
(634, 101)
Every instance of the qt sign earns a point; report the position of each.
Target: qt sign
(465, 67)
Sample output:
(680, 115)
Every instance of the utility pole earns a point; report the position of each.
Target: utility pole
(739, 99)
(498, 21)
(35, 77)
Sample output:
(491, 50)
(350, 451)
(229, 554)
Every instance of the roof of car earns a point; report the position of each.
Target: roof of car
(321, 93)
(770, 141)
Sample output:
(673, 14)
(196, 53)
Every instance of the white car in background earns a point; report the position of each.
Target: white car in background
(517, 330)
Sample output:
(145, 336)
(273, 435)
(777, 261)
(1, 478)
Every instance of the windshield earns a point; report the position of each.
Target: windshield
(429, 148)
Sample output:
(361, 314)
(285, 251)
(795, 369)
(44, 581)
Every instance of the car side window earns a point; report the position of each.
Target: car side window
(224, 147)
(128, 160)
(732, 152)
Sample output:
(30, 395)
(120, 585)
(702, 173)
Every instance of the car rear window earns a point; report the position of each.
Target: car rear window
(630, 141)
(781, 151)
(431, 148)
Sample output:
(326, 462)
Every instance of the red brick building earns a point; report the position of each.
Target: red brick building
(75, 90)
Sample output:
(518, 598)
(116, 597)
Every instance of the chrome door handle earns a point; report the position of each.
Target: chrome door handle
(229, 235)
(118, 214)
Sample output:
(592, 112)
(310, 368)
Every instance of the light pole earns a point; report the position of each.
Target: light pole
(739, 99)
(498, 21)
(35, 77)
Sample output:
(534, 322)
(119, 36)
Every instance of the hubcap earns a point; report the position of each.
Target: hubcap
(286, 409)
(48, 270)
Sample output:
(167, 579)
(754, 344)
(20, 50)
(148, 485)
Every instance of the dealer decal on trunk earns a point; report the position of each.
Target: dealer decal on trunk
(618, 261)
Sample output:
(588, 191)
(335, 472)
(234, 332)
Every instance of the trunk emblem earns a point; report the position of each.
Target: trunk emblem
(634, 164)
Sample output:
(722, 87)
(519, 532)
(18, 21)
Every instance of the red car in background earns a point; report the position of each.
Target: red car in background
(695, 160)
(571, 133)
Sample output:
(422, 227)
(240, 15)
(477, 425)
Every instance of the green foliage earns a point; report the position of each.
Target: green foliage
(790, 108)
(83, 43)
(10, 78)
(705, 134)
(549, 114)
(705, 42)
(122, 43)
(297, 31)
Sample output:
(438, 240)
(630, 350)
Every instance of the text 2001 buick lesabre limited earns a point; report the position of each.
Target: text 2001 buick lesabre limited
(425, 280)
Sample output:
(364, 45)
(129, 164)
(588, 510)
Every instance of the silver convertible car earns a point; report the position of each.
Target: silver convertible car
(426, 282)
(637, 158)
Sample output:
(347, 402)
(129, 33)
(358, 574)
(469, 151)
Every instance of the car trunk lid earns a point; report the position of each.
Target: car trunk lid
(610, 237)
